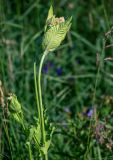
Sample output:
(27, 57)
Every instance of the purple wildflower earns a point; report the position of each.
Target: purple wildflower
(47, 66)
(59, 71)
(89, 112)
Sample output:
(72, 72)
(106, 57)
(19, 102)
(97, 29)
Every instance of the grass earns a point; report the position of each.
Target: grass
(71, 81)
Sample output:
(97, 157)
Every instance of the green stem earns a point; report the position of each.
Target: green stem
(45, 157)
(24, 128)
(30, 152)
(40, 98)
(36, 91)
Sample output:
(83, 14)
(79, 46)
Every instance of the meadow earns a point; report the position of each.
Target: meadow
(76, 82)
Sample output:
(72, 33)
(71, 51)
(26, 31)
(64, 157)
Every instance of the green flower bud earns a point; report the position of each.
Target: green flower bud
(55, 31)
(14, 105)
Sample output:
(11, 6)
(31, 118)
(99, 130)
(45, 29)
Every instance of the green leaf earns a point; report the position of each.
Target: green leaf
(50, 13)
(45, 148)
(16, 117)
(35, 133)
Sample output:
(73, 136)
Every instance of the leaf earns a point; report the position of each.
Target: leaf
(16, 117)
(50, 15)
(45, 148)
(35, 133)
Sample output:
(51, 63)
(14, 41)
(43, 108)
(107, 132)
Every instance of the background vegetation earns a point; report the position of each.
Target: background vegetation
(77, 78)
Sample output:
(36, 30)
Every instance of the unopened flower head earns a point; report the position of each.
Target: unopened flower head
(55, 31)
(15, 106)
(55, 21)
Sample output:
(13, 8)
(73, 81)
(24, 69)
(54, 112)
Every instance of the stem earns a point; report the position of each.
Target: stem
(36, 91)
(30, 152)
(45, 157)
(40, 98)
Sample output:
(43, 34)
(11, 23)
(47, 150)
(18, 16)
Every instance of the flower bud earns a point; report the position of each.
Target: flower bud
(14, 105)
(55, 31)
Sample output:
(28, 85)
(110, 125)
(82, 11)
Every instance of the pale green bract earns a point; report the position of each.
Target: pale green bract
(55, 31)
(15, 106)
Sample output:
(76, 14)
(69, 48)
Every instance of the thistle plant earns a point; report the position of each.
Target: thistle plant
(54, 33)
